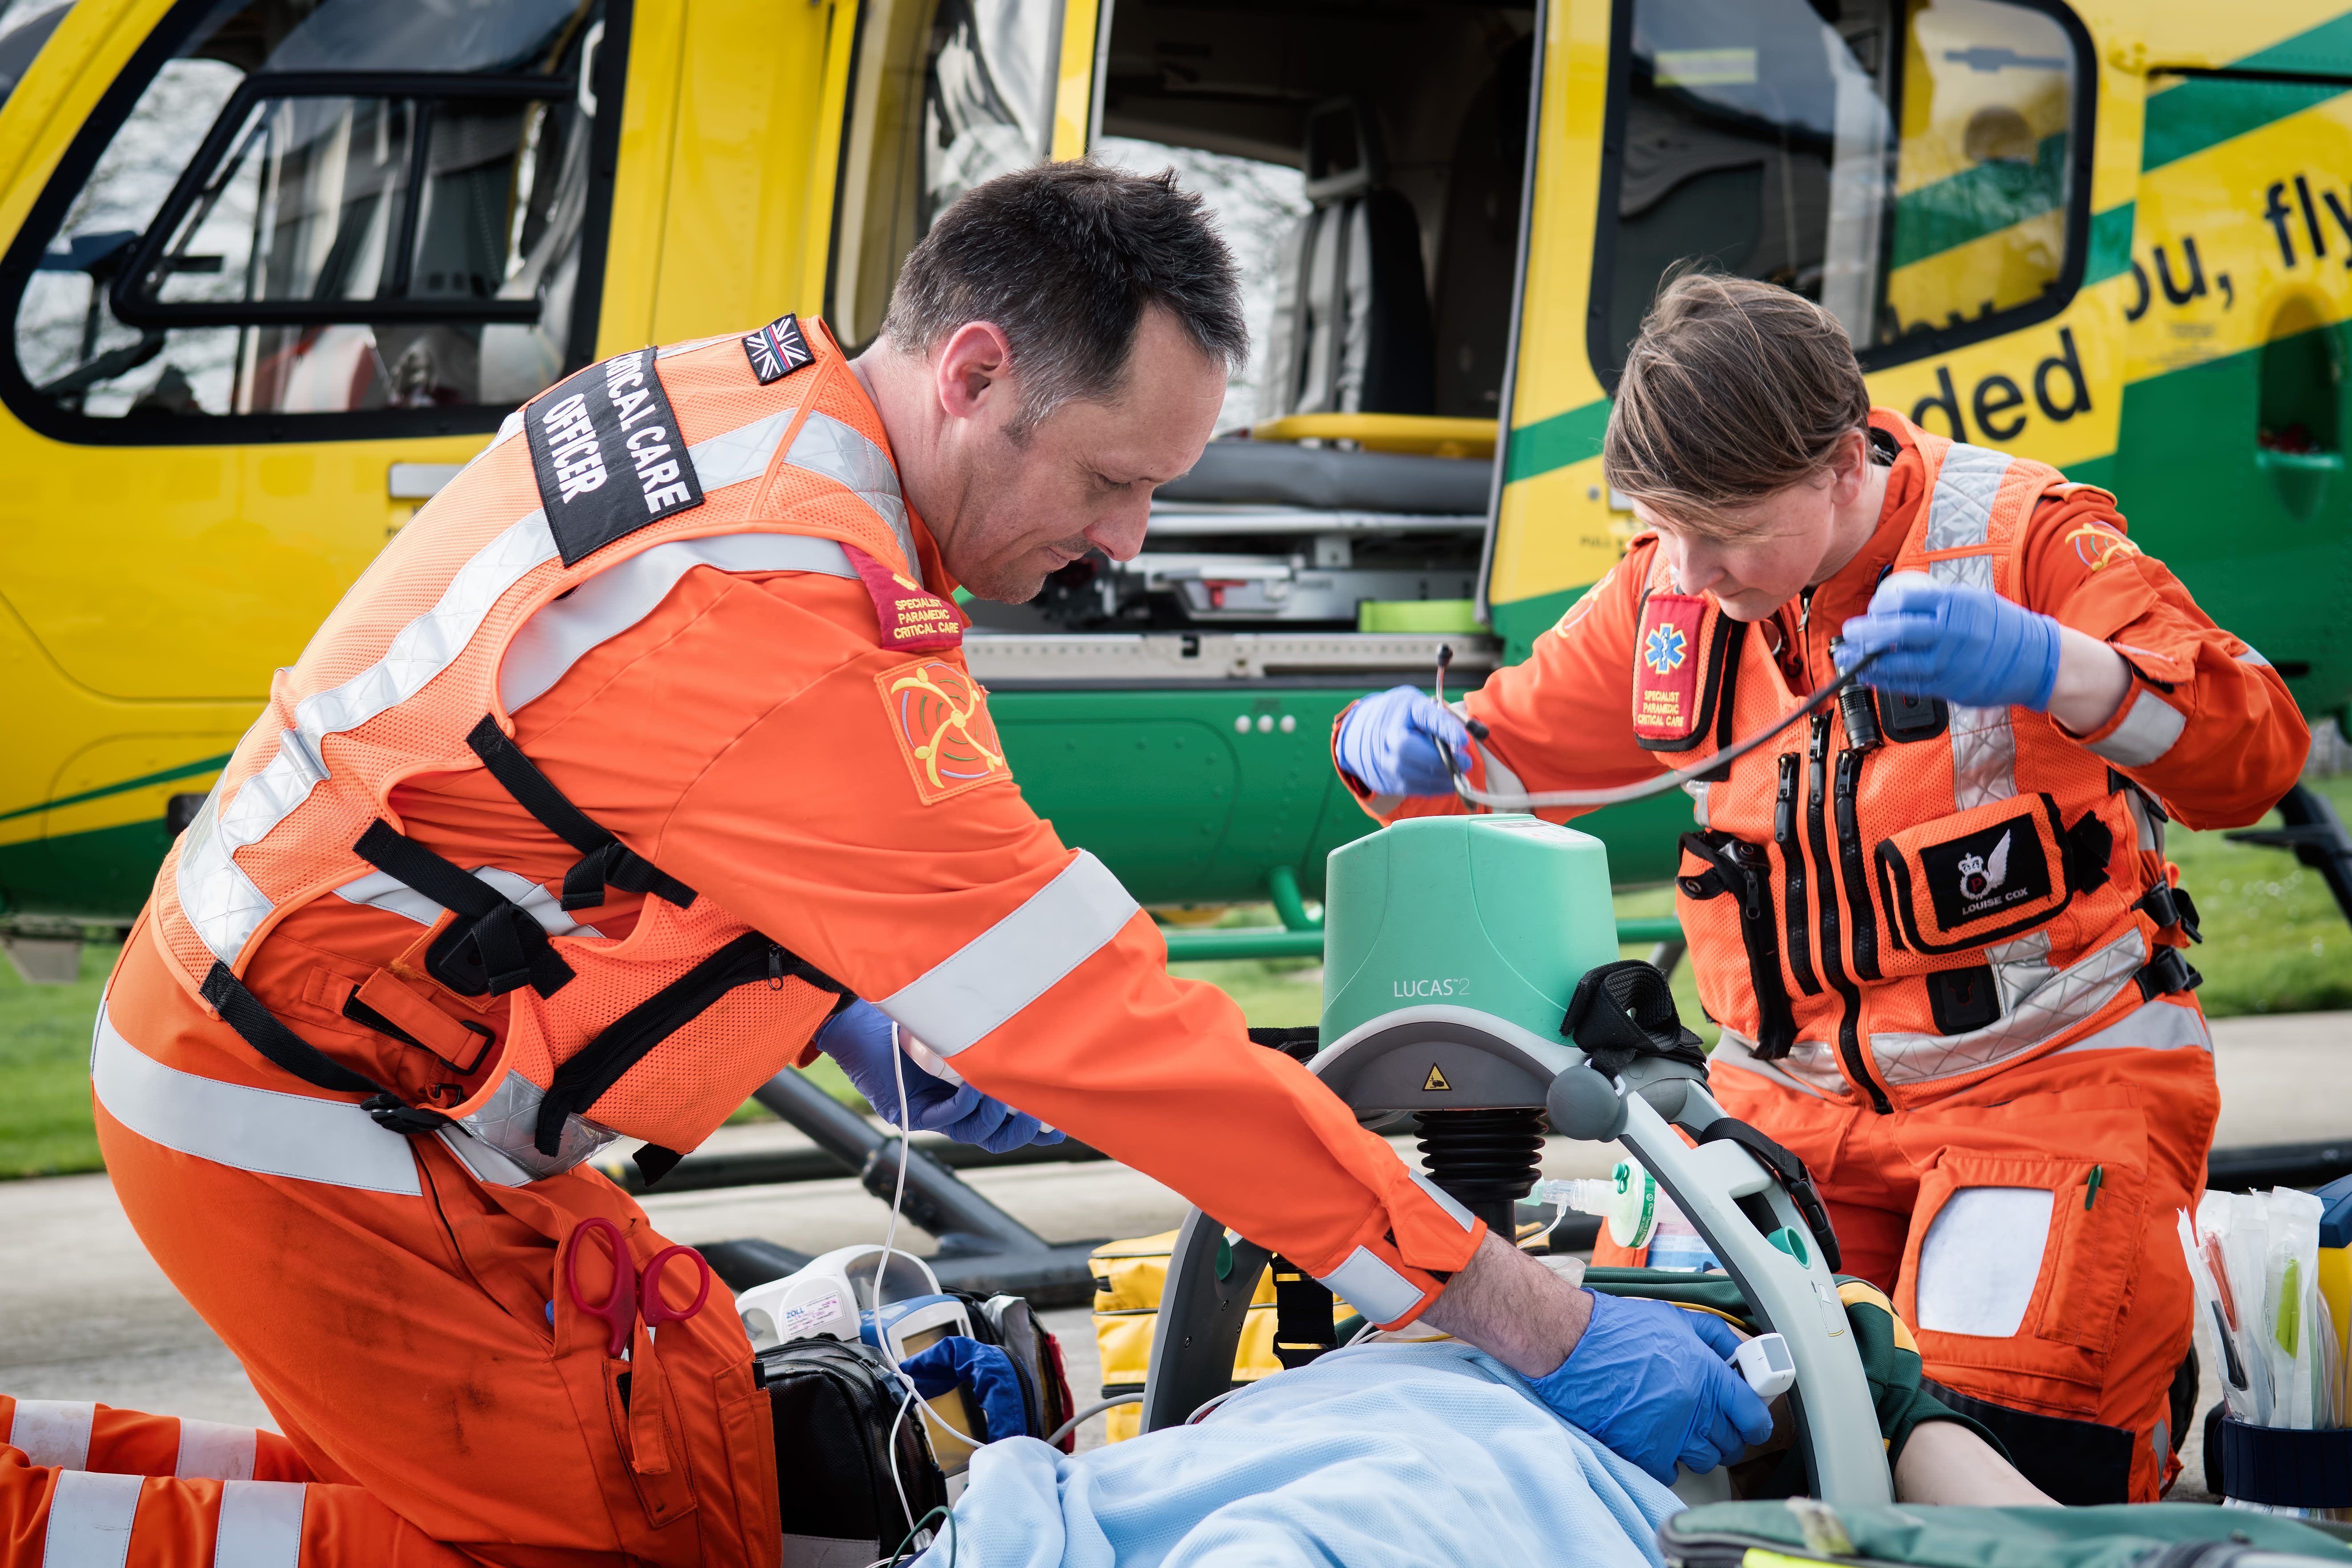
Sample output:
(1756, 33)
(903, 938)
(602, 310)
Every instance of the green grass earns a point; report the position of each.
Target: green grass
(2274, 942)
(45, 1126)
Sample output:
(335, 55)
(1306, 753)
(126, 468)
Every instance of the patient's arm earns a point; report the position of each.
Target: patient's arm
(1510, 1305)
(1946, 1462)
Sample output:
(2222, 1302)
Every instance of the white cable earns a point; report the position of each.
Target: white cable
(1089, 1413)
(889, 1238)
(904, 1506)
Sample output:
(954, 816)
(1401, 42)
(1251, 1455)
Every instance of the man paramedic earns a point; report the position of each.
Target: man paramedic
(1937, 928)
(640, 752)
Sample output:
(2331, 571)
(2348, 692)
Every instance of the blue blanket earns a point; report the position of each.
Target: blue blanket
(1416, 1456)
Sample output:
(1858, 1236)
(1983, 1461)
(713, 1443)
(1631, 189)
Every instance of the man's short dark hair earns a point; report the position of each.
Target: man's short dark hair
(1066, 257)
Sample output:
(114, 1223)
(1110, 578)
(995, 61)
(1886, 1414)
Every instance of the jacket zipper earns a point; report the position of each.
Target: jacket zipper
(1850, 995)
(1792, 864)
(1859, 913)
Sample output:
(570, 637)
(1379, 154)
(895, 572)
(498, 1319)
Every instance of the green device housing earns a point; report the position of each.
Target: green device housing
(1499, 914)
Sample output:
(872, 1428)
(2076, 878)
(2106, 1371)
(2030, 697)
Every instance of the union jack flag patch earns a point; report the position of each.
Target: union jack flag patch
(777, 349)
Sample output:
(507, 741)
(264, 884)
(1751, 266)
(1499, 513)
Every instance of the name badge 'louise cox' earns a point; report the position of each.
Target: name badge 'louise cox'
(606, 452)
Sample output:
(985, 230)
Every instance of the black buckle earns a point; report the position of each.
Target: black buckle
(1790, 1172)
(2165, 974)
(395, 1115)
(2171, 909)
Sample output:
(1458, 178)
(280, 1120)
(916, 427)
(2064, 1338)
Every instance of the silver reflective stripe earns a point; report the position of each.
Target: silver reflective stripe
(1736, 1050)
(54, 1431)
(260, 1524)
(561, 634)
(2148, 730)
(1697, 790)
(326, 1140)
(89, 1520)
(691, 344)
(2154, 1026)
(387, 892)
(2021, 968)
(1371, 1287)
(2251, 656)
(2070, 998)
(221, 901)
(740, 454)
(826, 445)
(1445, 1200)
(213, 1450)
(1959, 514)
(967, 996)
(508, 1123)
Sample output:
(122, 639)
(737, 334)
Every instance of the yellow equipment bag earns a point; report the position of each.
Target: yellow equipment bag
(1129, 1279)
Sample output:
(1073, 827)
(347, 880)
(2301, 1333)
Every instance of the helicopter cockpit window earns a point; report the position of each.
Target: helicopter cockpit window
(387, 207)
(949, 93)
(1913, 165)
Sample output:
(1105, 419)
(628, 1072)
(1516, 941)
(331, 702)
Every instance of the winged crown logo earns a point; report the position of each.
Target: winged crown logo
(1979, 876)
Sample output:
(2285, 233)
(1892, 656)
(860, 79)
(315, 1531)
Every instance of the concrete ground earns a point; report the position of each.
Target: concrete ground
(85, 1315)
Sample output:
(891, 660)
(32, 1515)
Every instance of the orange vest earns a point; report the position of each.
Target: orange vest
(1900, 893)
(756, 453)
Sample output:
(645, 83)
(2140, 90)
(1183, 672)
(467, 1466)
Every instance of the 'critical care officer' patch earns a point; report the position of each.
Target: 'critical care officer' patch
(605, 448)
(777, 349)
(939, 714)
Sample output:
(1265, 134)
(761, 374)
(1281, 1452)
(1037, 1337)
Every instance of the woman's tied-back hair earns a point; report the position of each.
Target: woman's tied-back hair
(1066, 257)
(1732, 389)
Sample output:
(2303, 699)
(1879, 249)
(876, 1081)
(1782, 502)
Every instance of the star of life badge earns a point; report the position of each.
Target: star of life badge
(777, 349)
(1666, 667)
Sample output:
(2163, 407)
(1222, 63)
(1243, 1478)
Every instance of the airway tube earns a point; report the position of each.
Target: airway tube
(1733, 752)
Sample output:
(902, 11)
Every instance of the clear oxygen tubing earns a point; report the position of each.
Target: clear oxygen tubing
(1648, 787)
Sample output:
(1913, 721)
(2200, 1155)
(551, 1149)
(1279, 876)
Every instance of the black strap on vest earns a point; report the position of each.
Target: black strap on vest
(513, 946)
(1739, 869)
(583, 1080)
(2165, 974)
(1789, 1170)
(604, 860)
(241, 1010)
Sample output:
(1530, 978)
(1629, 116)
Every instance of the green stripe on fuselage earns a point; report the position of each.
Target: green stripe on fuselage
(1555, 442)
(1976, 202)
(185, 770)
(2203, 110)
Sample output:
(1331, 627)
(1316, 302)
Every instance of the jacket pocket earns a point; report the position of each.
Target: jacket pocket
(1983, 875)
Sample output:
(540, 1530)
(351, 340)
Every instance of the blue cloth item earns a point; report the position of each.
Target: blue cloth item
(983, 1371)
(1967, 646)
(1655, 1384)
(1383, 1455)
(864, 1041)
(1389, 743)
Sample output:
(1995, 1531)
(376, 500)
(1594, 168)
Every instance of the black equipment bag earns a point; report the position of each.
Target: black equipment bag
(834, 1405)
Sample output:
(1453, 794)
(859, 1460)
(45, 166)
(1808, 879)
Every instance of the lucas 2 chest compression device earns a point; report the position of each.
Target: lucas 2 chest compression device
(1453, 950)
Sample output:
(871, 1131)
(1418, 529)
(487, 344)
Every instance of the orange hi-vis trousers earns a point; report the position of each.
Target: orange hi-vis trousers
(83, 1486)
(2023, 1226)
(392, 1310)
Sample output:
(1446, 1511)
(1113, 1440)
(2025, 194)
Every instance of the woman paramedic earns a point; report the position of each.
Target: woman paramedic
(1934, 920)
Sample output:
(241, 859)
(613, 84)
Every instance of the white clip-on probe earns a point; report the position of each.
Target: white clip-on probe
(1766, 1363)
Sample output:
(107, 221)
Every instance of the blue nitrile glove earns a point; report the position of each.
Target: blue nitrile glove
(863, 1040)
(1967, 646)
(1389, 743)
(1653, 1383)
(984, 1372)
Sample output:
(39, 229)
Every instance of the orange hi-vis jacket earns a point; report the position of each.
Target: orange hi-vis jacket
(622, 504)
(1898, 896)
